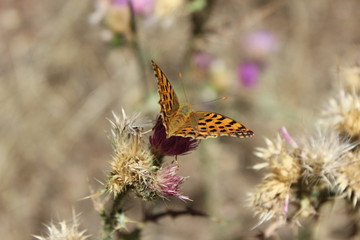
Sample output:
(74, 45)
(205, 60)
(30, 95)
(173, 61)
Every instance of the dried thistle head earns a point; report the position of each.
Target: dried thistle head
(281, 160)
(132, 164)
(117, 19)
(322, 155)
(165, 8)
(65, 231)
(343, 113)
(270, 199)
(348, 180)
(321, 160)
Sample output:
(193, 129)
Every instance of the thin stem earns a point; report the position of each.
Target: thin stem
(109, 220)
(136, 45)
(173, 213)
(199, 20)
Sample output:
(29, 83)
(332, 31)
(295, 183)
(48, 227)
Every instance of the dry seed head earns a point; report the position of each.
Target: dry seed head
(117, 19)
(280, 160)
(65, 231)
(348, 180)
(273, 148)
(322, 155)
(343, 113)
(270, 199)
(132, 164)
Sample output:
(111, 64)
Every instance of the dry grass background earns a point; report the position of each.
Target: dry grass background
(59, 82)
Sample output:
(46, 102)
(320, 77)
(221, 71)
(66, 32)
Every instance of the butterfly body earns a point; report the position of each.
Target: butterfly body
(178, 119)
(181, 120)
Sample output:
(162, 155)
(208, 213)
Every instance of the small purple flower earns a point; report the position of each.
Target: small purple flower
(202, 60)
(168, 182)
(259, 44)
(120, 2)
(285, 134)
(172, 146)
(249, 73)
(139, 6)
(143, 6)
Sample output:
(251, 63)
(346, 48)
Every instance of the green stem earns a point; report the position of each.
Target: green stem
(137, 46)
(109, 220)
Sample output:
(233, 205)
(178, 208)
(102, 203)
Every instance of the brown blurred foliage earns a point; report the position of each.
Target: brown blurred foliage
(59, 82)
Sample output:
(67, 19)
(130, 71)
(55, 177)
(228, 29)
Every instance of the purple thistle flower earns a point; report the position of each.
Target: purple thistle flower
(202, 60)
(143, 6)
(120, 2)
(260, 44)
(172, 146)
(140, 6)
(249, 73)
(168, 182)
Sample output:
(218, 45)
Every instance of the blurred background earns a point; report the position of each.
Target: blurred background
(66, 65)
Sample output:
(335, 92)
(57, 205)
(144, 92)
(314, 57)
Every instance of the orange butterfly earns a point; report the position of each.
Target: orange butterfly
(181, 120)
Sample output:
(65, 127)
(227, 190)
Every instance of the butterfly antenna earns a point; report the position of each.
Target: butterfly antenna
(215, 100)
(182, 86)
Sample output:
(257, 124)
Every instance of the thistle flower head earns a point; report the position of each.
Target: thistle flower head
(202, 60)
(132, 165)
(65, 231)
(165, 8)
(117, 19)
(103, 7)
(324, 159)
(348, 180)
(249, 73)
(343, 113)
(168, 182)
(281, 160)
(143, 6)
(259, 44)
(270, 199)
(139, 6)
(172, 146)
(323, 154)
(120, 2)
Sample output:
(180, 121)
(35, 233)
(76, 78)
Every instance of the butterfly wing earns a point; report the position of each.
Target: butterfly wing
(169, 103)
(198, 124)
(202, 125)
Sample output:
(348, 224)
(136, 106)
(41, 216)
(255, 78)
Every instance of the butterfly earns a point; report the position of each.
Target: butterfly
(181, 120)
